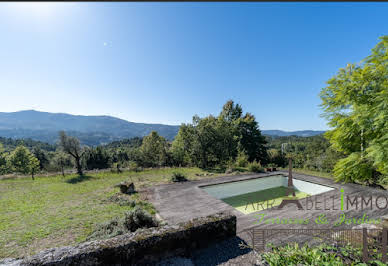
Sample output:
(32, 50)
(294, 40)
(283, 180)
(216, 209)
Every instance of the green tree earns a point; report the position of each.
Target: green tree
(153, 150)
(21, 160)
(71, 146)
(355, 102)
(212, 141)
(181, 147)
(41, 156)
(3, 160)
(60, 161)
(96, 158)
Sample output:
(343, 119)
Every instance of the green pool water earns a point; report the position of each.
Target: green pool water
(257, 201)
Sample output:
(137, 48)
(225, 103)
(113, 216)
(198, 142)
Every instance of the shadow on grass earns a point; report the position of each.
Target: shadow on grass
(78, 179)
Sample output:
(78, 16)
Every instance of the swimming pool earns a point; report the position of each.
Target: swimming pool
(249, 196)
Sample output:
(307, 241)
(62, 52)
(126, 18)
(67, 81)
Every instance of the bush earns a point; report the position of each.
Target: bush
(324, 254)
(178, 177)
(255, 167)
(138, 218)
(242, 159)
(295, 255)
(133, 220)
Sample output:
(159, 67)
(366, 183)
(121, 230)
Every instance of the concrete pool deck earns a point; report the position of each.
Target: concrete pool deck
(180, 202)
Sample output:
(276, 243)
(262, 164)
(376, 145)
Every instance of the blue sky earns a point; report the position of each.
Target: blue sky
(165, 62)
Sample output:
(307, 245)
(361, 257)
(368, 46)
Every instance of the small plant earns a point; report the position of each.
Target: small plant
(178, 177)
(242, 159)
(255, 167)
(138, 218)
(133, 220)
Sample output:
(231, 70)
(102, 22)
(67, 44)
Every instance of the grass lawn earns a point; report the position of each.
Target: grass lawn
(56, 211)
(257, 201)
(310, 172)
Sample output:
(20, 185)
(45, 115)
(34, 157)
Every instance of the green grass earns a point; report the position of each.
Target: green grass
(257, 201)
(310, 172)
(55, 211)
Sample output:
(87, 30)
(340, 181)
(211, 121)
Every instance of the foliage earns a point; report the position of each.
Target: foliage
(95, 158)
(21, 160)
(178, 177)
(133, 220)
(153, 151)
(355, 102)
(312, 153)
(255, 167)
(242, 159)
(3, 160)
(71, 145)
(324, 254)
(41, 156)
(293, 254)
(214, 141)
(355, 168)
(10, 144)
(60, 161)
(139, 218)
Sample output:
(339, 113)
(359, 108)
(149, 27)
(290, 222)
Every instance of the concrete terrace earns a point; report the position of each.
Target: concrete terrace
(180, 202)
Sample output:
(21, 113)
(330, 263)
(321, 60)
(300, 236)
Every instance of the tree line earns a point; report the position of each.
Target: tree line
(206, 142)
(227, 141)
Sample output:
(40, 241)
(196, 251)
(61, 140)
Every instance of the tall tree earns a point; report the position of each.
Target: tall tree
(71, 146)
(212, 141)
(153, 150)
(251, 140)
(355, 102)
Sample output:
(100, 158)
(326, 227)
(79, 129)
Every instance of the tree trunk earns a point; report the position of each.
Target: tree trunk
(290, 184)
(32, 175)
(78, 164)
(63, 171)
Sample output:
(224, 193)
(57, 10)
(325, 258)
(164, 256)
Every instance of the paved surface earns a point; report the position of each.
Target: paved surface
(180, 202)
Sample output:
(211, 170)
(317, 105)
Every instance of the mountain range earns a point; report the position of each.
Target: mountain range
(91, 130)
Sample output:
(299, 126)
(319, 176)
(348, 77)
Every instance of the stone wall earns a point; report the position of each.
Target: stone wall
(141, 247)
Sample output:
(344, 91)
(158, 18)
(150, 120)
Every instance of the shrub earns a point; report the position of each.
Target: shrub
(133, 220)
(138, 218)
(178, 177)
(255, 167)
(242, 159)
(295, 255)
(324, 254)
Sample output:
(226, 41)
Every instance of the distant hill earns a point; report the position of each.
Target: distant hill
(300, 133)
(91, 130)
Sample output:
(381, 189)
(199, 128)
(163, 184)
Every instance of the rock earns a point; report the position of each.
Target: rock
(10, 262)
(127, 187)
